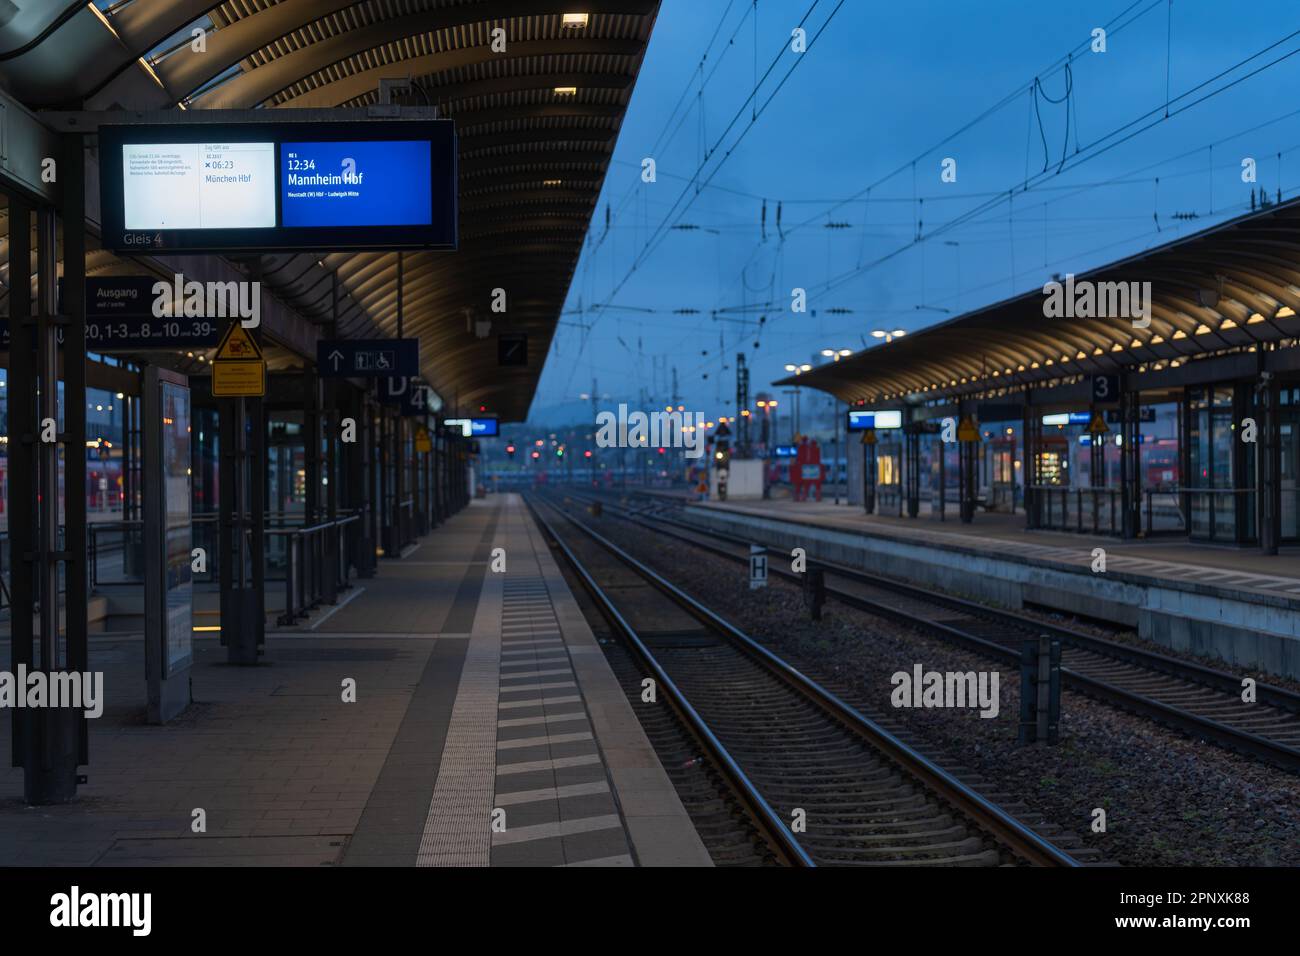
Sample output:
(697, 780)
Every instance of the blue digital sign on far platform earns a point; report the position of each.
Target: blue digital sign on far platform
(212, 187)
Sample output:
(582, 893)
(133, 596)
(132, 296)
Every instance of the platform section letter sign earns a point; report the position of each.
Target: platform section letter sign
(367, 358)
(238, 370)
(757, 567)
(410, 395)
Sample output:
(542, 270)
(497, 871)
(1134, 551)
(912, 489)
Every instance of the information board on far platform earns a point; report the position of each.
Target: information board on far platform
(388, 184)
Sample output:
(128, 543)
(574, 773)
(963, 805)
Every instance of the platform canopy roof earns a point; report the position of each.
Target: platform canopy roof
(537, 126)
(1225, 289)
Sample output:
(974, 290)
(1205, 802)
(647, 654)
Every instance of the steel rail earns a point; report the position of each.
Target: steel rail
(990, 817)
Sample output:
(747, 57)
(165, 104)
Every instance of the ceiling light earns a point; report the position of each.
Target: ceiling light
(566, 91)
(576, 19)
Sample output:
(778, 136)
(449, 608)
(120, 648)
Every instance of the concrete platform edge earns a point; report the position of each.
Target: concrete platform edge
(658, 826)
(1247, 629)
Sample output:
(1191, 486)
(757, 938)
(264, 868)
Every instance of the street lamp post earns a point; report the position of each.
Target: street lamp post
(835, 355)
(887, 336)
(765, 433)
(797, 370)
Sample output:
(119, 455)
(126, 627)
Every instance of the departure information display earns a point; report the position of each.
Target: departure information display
(378, 184)
(860, 421)
(356, 184)
(199, 186)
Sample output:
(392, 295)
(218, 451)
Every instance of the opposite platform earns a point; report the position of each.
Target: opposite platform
(1237, 605)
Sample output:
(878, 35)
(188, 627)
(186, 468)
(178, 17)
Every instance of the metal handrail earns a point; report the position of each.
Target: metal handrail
(316, 568)
(1046, 494)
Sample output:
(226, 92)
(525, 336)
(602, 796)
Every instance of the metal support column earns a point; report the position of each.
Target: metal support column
(1268, 469)
(1032, 429)
(311, 448)
(48, 742)
(76, 572)
(1096, 456)
(439, 468)
(23, 435)
(869, 473)
(1184, 457)
(370, 487)
(912, 468)
(241, 518)
(1130, 474)
(397, 467)
(360, 488)
(383, 502)
(967, 456)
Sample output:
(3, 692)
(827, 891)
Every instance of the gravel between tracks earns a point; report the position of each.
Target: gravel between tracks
(1169, 800)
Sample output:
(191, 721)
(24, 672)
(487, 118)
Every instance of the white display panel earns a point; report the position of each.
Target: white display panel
(198, 185)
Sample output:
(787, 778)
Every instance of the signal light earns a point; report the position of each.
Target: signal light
(536, 455)
(661, 451)
(587, 453)
(510, 449)
(559, 452)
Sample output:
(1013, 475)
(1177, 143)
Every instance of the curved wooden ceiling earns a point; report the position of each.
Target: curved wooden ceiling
(532, 161)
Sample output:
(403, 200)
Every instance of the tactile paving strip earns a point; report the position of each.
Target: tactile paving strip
(517, 663)
(456, 831)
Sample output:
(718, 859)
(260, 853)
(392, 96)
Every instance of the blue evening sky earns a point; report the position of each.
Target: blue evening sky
(882, 96)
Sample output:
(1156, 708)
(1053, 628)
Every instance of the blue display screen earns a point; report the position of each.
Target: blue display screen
(486, 427)
(860, 421)
(356, 184)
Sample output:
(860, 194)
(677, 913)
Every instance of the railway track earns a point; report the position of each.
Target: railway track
(1188, 697)
(825, 784)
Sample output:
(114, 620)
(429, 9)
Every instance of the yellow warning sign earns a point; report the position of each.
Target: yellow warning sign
(237, 369)
(869, 436)
(238, 379)
(1098, 425)
(237, 346)
(422, 442)
(967, 431)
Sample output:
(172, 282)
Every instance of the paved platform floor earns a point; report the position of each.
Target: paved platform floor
(1220, 566)
(479, 695)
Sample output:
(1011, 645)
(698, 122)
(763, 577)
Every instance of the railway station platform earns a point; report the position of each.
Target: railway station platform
(479, 695)
(1237, 605)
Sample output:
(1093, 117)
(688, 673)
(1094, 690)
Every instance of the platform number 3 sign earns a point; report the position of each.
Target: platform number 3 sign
(1105, 388)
